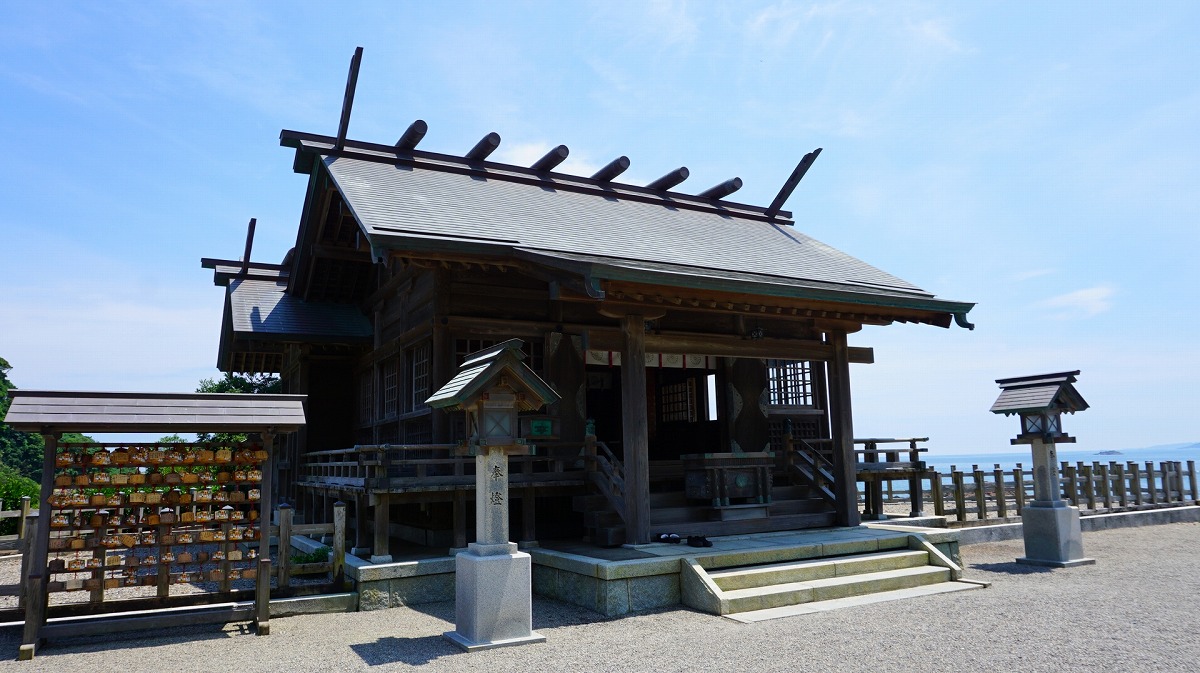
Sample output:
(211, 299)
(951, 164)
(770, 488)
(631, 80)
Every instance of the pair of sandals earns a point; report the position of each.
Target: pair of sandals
(692, 540)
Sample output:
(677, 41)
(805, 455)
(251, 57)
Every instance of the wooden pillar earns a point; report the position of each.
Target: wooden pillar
(845, 487)
(339, 544)
(634, 430)
(284, 562)
(262, 593)
(37, 599)
(362, 538)
(749, 429)
(380, 550)
(441, 354)
(566, 372)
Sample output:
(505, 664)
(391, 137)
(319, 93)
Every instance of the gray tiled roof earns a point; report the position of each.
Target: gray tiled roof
(1038, 392)
(262, 307)
(402, 206)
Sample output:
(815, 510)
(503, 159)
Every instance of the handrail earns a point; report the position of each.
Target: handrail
(606, 473)
(806, 460)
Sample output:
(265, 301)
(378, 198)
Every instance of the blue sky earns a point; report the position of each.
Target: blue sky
(1040, 159)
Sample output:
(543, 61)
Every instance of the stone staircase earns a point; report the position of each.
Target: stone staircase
(791, 508)
(901, 568)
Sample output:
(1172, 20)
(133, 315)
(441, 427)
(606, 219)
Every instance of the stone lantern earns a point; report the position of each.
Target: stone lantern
(1050, 525)
(493, 579)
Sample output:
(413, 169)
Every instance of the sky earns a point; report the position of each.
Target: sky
(1040, 159)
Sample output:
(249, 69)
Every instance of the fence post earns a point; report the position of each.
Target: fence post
(262, 595)
(1019, 481)
(935, 491)
(1192, 478)
(1119, 475)
(960, 496)
(1089, 485)
(1106, 486)
(916, 499)
(980, 492)
(1001, 492)
(1150, 482)
(1069, 477)
(1177, 479)
(285, 545)
(21, 531)
(1135, 483)
(30, 523)
(339, 544)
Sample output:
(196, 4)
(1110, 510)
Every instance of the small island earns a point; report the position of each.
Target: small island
(1110, 452)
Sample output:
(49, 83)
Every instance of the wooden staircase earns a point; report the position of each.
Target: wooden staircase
(911, 567)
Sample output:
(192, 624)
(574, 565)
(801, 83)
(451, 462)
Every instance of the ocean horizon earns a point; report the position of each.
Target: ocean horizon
(942, 461)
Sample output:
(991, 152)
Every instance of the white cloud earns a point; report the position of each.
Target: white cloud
(1031, 274)
(1089, 301)
(670, 22)
(934, 34)
(525, 153)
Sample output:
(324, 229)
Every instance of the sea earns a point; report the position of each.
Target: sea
(943, 462)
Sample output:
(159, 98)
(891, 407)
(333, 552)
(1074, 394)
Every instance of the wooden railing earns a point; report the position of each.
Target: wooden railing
(335, 567)
(978, 495)
(434, 467)
(606, 473)
(879, 466)
(13, 542)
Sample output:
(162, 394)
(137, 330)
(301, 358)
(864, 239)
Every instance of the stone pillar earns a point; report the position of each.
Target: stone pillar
(1050, 525)
(493, 581)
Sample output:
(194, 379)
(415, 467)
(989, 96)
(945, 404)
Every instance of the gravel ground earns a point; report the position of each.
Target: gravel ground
(1134, 610)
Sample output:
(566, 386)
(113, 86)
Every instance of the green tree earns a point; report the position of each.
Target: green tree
(12, 487)
(23, 451)
(236, 383)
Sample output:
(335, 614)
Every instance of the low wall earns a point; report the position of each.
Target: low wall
(1146, 517)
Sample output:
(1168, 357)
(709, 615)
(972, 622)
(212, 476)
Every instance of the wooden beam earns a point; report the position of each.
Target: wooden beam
(412, 135)
(249, 245)
(722, 190)
(792, 181)
(612, 170)
(634, 432)
(348, 99)
(845, 487)
(551, 159)
(484, 147)
(670, 179)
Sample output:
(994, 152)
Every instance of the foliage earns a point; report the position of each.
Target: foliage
(318, 555)
(12, 487)
(172, 439)
(236, 383)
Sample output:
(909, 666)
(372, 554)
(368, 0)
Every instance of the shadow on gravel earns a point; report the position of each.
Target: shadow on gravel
(1011, 568)
(411, 651)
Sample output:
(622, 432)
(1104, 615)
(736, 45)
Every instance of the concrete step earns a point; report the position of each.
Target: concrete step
(852, 601)
(829, 588)
(816, 569)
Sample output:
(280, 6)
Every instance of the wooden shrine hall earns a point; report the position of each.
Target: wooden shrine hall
(699, 345)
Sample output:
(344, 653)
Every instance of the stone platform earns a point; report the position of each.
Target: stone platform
(617, 581)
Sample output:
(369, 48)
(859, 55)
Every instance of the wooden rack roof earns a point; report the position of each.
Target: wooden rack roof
(50, 411)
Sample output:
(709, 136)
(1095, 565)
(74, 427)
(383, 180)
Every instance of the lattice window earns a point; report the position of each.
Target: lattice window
(790, 382)
(418, 431)
(419, 376)
(365, 398)
(677, 401)
(390, 371)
